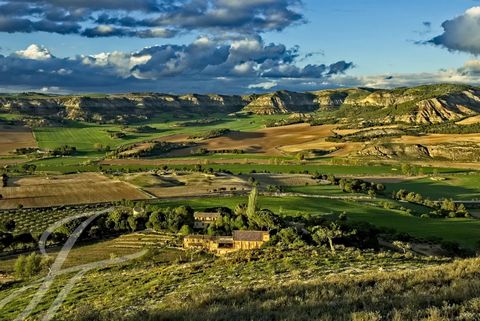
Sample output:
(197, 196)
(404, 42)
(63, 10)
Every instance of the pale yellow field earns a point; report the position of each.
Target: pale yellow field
(268, 141)
(438, 139)
(65, 190)
(470, 120)
(168, 185)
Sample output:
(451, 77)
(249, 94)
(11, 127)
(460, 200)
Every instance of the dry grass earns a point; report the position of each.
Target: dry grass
(470, 120)
(15, 137)
(65, 190)
(283, 179)
(437, 139)
(268, 141)
(87, 253)
(187, 184)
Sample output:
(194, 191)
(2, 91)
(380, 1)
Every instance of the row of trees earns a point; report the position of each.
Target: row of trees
(444, 208)
(353, 185)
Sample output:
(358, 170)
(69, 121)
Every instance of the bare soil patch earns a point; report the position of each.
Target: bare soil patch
(84, 188)
(179, 184)
(12, 137)
(269, 141)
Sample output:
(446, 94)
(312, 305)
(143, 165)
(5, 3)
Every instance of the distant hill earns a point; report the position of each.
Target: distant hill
(117, 108)
(428, 104)
(423, 104)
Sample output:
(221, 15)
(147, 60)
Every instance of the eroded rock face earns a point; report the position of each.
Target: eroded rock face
(283, 102)
(417, 105)
(114, 107)
(453, 152)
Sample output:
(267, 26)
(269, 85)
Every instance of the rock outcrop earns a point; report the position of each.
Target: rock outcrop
(283, 102)
(103, 108)
(452, 152)
(418, 105)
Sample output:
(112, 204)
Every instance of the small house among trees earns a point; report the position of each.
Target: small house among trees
(240, 240)
(203, 220)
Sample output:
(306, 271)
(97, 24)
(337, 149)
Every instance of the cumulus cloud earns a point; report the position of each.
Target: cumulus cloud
(147, 18)
(461, 33)
(263, 85)
(469, 73)
(35, 52)
(204, 65)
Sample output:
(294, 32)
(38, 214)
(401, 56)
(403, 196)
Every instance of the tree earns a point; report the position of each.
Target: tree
(31, 265)
(252, 202)
(8, 225)
(29, 168)
(185, 230)
(404, 246)
(300, 156)
(323, 234)
(19, 266)
(264, 219)
(289, 236)
(6, 240)
(240, 209)
(4, 180)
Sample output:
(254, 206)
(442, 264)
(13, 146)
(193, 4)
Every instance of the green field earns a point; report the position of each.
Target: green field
(464, 231)
(458, 187)
(84, 135)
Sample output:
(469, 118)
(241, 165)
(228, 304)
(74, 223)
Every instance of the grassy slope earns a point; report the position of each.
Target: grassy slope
(180, 287)
(464, 231)
(458, 187)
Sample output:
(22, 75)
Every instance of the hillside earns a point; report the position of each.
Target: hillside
(418, 105)
(116, 108)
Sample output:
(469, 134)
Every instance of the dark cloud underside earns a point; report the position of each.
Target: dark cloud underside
(148, 18)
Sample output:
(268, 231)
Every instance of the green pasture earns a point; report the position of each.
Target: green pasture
(85, 135)
(464, 231)
(457, 187)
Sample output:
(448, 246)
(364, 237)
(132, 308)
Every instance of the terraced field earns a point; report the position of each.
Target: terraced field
(121, 246)
(44, 191)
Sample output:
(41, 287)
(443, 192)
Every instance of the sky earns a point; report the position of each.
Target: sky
(235, 46)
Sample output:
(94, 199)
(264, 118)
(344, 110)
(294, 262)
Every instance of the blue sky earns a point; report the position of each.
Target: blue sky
(225, 45)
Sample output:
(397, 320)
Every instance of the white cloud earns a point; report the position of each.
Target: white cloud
(263, 85)
(35, 52)
(461, 33)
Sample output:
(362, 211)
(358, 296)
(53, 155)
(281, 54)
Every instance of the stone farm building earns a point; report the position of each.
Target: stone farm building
(203, 220)
(240, 240)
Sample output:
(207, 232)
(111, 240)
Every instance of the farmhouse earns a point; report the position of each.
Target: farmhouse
(203, 220)
(248, 240)
(240, 240)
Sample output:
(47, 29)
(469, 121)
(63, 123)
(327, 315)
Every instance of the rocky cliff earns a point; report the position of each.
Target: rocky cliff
(117, 107)
(283, 102)
(417, 105)
(449, 151)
